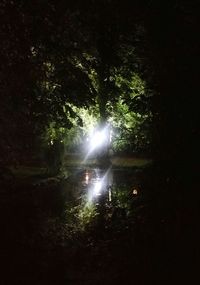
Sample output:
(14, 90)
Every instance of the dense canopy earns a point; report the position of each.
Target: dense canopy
(108, 57)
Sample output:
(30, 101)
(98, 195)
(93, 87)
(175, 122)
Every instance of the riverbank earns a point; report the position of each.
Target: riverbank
(26, 171)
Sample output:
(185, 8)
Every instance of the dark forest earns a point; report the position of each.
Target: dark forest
(99, 142)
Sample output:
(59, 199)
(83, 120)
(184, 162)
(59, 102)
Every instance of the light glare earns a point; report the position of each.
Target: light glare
(97, 188)
(97, 139)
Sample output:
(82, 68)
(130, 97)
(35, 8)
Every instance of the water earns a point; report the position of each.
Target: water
(96, 194)
(93, 227)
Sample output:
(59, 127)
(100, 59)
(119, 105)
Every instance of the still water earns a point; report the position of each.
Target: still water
(96, 182)
(95, 192)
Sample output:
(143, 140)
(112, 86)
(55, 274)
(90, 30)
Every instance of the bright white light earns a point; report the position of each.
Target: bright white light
(98, 139)
(97, 188)
(135, 191)
(109, 195)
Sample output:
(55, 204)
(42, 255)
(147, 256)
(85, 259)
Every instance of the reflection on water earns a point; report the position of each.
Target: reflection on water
(99, 183)
(135, 192)
(101, 192)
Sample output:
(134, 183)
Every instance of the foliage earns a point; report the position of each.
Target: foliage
(130, 129)
(82, 216)
(60, 59)
(131, 124)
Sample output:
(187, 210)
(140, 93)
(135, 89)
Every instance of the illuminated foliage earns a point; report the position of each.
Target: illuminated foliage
(61, 60)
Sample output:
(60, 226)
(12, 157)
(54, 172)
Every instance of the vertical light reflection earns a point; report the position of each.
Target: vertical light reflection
(100, 185)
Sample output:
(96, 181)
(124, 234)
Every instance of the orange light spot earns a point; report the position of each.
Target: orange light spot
(135, 191)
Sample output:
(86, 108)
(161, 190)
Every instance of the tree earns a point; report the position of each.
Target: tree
(71, 55)
(81, 59)
(109, 53)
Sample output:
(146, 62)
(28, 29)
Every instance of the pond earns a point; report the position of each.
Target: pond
(104, 193)
(95, 226)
